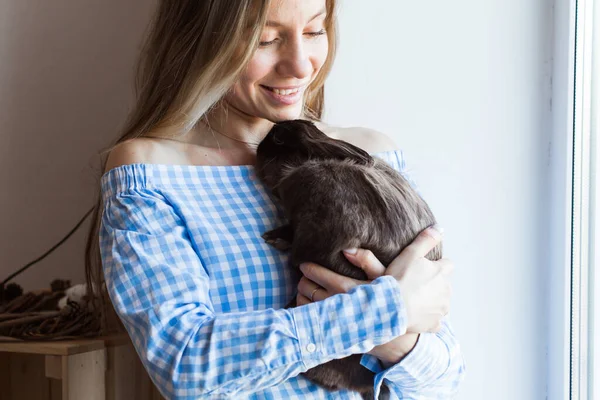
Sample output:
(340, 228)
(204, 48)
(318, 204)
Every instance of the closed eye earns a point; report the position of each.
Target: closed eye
(264, 44)
(321, 32)
(311, 34)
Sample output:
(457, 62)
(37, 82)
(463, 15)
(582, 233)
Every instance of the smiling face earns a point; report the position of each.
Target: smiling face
(293, 49)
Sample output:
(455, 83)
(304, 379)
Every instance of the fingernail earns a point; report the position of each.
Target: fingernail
(302, 267)
(350, 251)
(438, 229)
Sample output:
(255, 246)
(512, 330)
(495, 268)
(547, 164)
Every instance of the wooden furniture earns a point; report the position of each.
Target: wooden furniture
(105, 368)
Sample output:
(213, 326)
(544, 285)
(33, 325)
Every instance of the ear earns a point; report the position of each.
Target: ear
(341, 150)
(322, 146)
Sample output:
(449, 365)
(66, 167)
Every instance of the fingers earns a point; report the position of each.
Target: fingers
(446, 266)
(425, 242)
(302, 300)
(311, 291)
(365, 260)
(331, 281)
(420, 246)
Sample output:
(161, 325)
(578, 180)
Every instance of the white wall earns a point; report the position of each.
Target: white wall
(464, 87)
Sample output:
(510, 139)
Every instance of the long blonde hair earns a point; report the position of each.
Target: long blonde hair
(192, 56)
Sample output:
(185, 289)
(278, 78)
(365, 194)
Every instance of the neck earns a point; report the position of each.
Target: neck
(226, 126)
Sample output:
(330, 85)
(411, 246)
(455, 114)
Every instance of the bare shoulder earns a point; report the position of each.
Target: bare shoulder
(370, 140)
(138, 150)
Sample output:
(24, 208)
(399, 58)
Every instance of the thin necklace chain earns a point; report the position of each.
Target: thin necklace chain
(232, 138)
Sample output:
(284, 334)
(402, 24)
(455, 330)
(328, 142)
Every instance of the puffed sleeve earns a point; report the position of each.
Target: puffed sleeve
(433, 369)
(160, 290)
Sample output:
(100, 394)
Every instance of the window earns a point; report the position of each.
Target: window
(585, 251)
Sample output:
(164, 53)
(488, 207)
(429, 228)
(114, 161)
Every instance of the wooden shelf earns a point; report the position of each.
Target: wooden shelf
(100, 368)
(62, 347)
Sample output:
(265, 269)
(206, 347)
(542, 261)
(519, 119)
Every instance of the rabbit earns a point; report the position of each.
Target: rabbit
(336, 196)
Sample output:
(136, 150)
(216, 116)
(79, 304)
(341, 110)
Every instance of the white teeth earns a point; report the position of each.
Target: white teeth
(285, 92)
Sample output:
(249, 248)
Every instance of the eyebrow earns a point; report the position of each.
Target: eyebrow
(277, 24)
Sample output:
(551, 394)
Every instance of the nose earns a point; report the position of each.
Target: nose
(295, 60)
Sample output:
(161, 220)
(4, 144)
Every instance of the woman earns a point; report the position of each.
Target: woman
(181, 213)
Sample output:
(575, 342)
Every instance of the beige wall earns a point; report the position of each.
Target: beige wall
(66, 68)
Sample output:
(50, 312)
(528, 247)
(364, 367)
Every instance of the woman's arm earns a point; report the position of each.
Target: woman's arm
(434, 369)
(160, 290)
(431, 366)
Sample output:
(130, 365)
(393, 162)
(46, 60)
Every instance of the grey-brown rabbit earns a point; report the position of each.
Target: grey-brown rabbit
(337, 196)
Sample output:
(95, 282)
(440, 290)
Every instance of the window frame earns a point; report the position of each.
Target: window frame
(560, 207)
(574, 311)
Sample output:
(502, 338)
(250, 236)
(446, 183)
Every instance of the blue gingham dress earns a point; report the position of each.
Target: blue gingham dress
(202, 295)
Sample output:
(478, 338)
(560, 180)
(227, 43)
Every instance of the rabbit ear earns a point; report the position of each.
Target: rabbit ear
(308, 141)
(320, 145)
(341, 150)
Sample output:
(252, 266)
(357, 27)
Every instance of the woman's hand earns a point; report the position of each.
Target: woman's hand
(319, 283)
(424, 285)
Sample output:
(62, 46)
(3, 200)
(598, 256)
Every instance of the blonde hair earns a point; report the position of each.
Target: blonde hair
(192, 55)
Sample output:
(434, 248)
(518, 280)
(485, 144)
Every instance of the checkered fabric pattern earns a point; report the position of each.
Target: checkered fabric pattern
(202, 295)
